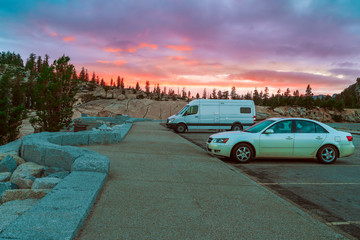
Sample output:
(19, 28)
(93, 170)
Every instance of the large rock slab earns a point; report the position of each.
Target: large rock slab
(5, 176)
(45, 183)
(11, 147)
(92, 163)
(25, 174)
(22, 194)
(49, 154)
(10, 211)
(8, 164)
(60, 175)
(4, 186)
(18, 159)
(61, 213)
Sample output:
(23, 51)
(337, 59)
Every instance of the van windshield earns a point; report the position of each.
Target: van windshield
(183, 110)
(259, 126)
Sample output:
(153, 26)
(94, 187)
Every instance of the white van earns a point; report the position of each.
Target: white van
(214, 114)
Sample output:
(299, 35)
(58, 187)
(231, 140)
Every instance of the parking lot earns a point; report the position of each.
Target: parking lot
(329, 192)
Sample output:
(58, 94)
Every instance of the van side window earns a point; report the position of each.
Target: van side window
(245, 110)
(192, 110)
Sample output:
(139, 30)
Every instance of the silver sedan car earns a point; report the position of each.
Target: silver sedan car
(283, 138)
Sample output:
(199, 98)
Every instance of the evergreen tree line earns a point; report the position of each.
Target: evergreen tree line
(49, 89)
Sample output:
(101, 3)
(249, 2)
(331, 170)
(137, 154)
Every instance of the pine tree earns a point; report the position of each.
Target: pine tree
(308, 100)
(219, 94)
(233, 94)
(147, 87)
(213, 95)
(12, 110)
(55, 95)
(122, 84)
(137, 88)
(204, 96)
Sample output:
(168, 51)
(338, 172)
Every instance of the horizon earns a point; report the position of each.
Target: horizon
(196, 45)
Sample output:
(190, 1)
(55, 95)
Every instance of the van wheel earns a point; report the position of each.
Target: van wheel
(242, 153)
(180, 128)
(237, 127)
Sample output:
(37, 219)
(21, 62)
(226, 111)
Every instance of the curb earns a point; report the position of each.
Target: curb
(62, 212)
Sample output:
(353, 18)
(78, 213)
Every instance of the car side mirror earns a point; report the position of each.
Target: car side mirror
(269, 131)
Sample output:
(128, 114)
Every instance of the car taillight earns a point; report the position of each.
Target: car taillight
(254, 118)
(350, 138)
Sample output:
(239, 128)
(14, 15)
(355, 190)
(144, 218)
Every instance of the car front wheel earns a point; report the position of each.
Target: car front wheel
(242, 153)
(327, 154)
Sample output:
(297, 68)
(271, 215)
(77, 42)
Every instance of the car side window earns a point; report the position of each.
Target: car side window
(320, 129)
(282, 127)
(192, 110)
(305, 127)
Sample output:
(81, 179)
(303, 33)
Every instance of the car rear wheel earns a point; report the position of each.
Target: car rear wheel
(242, 153)
(237, 127)
(327, 154)
(180, 128)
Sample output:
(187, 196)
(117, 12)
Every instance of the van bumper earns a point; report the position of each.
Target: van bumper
(171, 125)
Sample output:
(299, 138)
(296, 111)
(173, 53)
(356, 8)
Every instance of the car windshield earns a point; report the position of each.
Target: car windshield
(183, 110)
(259, 126)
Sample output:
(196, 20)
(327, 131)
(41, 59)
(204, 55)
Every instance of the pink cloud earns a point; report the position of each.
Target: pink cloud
(180, 47)
(112, 50)
(102, 61)
(120, 62)
(177, 58)
(69, 39)
(148, 45)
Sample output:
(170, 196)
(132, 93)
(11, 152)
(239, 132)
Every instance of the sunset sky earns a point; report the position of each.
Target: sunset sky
(195, 44)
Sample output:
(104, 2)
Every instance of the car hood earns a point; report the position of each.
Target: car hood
(230, 134)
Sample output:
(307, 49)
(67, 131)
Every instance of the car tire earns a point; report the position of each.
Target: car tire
(180, 128)
(237, 127)
(242, 153)
(327, 154)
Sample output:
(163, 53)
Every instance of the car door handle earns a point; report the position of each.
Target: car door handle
(196, 117)
(319, 138)
(289, 138)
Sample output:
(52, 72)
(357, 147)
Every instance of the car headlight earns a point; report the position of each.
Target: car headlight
(171, 120)
(220, 140)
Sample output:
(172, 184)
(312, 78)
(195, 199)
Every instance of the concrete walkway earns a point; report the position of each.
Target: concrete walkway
(161, 186)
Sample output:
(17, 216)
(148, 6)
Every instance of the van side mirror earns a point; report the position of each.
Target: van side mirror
(269, 131)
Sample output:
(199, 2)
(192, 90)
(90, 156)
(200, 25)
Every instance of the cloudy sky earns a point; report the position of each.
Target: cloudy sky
(195, 44)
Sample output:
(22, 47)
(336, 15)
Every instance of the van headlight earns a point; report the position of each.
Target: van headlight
(220, 140)
(171, 120)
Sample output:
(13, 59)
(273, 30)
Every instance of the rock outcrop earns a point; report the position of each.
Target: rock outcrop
(45, 183)
(8, 164)
(25, 175)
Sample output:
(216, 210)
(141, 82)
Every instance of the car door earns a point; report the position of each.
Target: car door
(277, 144)
(191, 117)
(308, 138)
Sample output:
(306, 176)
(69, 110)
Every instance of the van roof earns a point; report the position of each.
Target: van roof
(197, 101)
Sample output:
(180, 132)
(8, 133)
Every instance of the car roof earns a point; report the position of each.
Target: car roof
(290, 118)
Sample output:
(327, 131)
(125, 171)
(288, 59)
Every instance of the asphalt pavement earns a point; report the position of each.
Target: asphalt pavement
(329, 192)
(161, 186)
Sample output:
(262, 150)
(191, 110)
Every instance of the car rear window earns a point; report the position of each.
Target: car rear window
(320, 129)
(245, 110)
